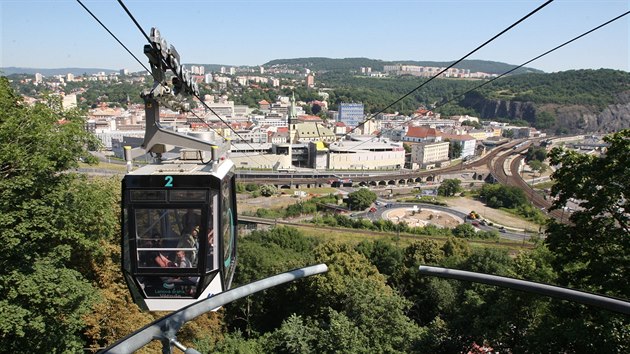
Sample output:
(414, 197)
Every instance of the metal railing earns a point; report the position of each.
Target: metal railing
(165, 328)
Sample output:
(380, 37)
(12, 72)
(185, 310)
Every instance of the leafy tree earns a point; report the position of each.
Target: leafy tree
(263, 254)
(471, 123)
(500, 196)
(383, 254)
(454, 150)
(538, 153)
(450, 187)
(601, 226)
(361, 199)
(456, 248)
(464, 231)
(545, 120)
(316, 109)
(537, 166)
(51, 227)
(354, 287)
(591, 252)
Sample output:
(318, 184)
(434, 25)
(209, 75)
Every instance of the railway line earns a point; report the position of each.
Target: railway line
(506, 171)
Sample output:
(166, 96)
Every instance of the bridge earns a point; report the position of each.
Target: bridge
(309, 179)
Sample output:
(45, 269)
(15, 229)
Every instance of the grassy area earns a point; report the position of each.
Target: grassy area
(544, 185)
(105, 166)
(404, 240)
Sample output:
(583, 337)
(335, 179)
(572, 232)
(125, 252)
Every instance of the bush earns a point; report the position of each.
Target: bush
(268, 190)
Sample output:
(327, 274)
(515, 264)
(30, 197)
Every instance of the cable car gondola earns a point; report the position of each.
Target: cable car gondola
(178, 215)
(179, 239)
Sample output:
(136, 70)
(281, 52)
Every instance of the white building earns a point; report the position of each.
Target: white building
(365, 155)
(428, 155)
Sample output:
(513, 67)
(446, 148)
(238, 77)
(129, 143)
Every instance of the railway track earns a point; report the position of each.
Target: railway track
(512, 177)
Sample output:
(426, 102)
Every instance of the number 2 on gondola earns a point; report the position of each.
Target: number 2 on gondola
(168, 181)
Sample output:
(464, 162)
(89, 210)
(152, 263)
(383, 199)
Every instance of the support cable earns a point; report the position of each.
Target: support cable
(451, 65)
(149, 71)
(512, 70)
(113, 35)
(193, 94)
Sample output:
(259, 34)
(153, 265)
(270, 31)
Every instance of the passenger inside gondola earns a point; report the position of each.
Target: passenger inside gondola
(190, 242)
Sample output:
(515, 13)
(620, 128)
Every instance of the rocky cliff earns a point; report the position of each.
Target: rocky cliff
(568, 118)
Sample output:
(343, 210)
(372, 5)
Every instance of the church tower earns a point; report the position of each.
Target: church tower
(292, 120)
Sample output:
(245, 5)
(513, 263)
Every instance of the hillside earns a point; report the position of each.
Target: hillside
(570, 101)
(346, 64)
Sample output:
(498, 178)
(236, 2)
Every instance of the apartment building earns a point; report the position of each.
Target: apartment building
(429, 155)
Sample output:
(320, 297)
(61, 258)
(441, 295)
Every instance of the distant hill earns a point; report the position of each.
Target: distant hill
(51, 72)
(345, 64)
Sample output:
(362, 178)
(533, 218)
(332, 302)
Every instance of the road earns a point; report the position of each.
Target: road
(387, 206)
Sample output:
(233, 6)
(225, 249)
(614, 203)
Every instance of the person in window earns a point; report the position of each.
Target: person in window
(182, 261)
(159, 257)
(189, 240)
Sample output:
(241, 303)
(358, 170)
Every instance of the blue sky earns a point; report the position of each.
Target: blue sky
(60, 33)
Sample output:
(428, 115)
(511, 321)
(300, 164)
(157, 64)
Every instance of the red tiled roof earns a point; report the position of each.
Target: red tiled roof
(421, 132)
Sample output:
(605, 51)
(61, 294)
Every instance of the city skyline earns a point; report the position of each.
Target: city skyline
(59, 34)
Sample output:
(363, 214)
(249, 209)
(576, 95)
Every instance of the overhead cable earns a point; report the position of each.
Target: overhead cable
(197, 96)
(519, 66)
(450, 66)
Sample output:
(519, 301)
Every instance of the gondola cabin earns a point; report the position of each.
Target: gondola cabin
(179, 232)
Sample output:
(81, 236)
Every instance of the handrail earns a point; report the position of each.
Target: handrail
(165, 328)
(608, 303)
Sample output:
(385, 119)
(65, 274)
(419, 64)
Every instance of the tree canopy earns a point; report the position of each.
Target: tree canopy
(450, 187)
(361, 199)
(52, 224)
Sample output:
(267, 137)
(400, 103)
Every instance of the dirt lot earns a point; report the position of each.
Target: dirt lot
(247, 204)
(423, 218)
(466, 205)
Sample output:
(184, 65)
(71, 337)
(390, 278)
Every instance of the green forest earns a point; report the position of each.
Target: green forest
(61, 289)
(596, 88)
